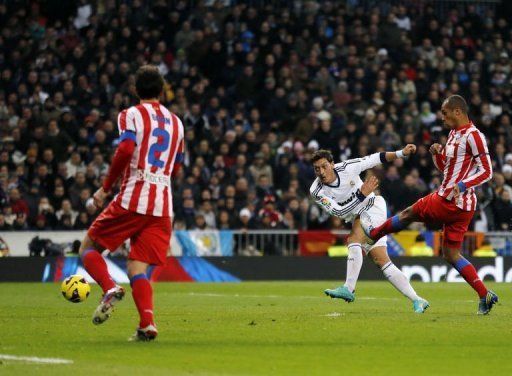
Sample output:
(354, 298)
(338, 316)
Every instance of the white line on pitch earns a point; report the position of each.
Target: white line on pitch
(35, 359)
(334, 314)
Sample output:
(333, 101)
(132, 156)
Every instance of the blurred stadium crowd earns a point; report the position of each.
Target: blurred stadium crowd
(259, 87)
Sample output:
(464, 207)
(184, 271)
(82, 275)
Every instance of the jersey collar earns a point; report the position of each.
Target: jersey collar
(464, 127)
(338, 181)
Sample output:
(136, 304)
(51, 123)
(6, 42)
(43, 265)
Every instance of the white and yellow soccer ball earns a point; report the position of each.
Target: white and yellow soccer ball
(75, 288)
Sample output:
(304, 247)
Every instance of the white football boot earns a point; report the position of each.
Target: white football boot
(106, 306)
(146, 334)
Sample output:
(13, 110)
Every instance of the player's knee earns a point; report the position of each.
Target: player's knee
(407, 214)
(87, 243)
(451, 255)
(353, 239)
(380, 261)
(448, 257)
(136, 267)
(379, 257)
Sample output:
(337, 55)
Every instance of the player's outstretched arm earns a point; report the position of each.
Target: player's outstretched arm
(358, 165)
(406, 152)
(337, 210)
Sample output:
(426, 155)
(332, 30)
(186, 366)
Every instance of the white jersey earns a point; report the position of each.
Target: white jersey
(158, 134)
(343, 198)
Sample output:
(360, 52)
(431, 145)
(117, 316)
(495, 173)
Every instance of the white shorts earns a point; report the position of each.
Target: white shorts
(376, 215)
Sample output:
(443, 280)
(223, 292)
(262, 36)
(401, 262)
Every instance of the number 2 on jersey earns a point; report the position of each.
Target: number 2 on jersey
(159, 146)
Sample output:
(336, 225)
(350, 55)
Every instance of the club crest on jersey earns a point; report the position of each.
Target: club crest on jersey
(325, 202)
(352, 183)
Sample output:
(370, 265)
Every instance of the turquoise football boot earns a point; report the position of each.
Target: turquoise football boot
(341, 293)
(420, 305)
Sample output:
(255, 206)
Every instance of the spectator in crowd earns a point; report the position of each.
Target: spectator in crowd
(82, 222)
(66, 210)
(18, 204)
(74, 165)
(200, 222)
(503, 211)
(4, 226)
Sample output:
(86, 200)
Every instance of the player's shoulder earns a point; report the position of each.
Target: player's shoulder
(339, 167)
(136, 107)
(131, 111)
(475, 133)
(345, 165)
(123, 113)
(315, 187)
(171, 115)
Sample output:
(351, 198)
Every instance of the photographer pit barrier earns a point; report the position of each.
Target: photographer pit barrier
(268, 242)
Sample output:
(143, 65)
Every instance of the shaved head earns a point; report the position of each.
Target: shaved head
(454, 112)
(456, 102)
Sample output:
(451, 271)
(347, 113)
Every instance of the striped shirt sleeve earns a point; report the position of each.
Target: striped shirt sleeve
(126, 121)
(480, 153)
(439, 161)
(358, 165)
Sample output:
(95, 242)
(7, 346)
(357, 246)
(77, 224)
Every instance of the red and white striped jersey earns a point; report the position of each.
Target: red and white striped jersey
(465, 158)
(159, 135)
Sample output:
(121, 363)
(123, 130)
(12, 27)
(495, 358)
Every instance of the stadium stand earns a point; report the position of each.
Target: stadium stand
(259, 86)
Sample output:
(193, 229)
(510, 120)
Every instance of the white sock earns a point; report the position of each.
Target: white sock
(354, 264)
(399, 280)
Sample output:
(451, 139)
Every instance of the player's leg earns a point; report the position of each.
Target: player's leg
(379, 256)
(393, 224)
(453, 235)
(94, 263)
(108, 231)
(355, 256)
(354, 264)
(142, 293)
(418, 212)
(148, 247)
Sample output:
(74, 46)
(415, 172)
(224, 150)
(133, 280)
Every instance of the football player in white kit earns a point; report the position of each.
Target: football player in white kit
(339, 190)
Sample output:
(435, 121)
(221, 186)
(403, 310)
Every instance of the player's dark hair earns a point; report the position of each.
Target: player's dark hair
(322, 153)
(456, 101)
(149, 83)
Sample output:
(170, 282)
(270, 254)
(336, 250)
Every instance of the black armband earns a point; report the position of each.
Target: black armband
(383, 157)
(360, 196)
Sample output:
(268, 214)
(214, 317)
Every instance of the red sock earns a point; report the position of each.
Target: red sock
(96, 266)
(391, 225)
(468, 272)
(143, 297)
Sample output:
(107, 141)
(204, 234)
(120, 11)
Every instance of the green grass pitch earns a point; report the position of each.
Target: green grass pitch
(285, 328)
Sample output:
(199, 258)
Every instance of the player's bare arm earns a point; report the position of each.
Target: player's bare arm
(99, 197)
(437, 156)
(436, 149)
(406, 152)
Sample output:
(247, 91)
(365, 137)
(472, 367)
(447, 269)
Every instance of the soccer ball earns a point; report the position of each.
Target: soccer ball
(75, 288)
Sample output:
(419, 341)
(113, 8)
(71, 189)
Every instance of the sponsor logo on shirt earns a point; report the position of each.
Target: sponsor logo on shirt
(348, 199)
(153, 178)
